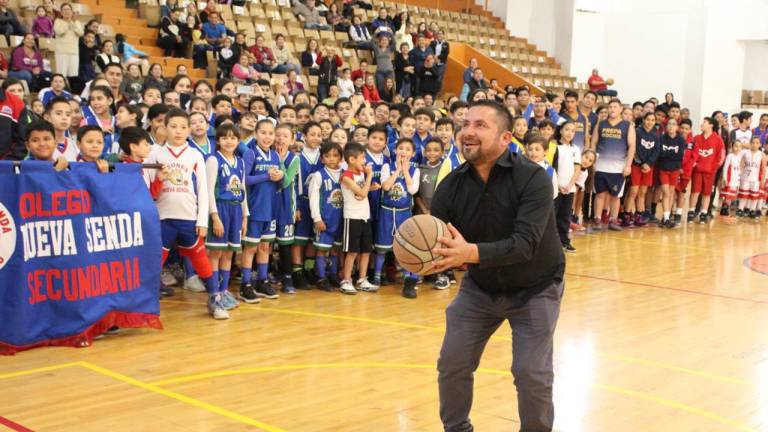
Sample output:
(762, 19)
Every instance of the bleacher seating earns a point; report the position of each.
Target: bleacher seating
(754, 99)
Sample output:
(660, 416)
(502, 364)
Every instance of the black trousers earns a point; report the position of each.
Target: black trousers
(563, 204)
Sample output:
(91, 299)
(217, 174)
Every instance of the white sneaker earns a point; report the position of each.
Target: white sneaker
(168, 279)
(194, 284)
(347, 287)
(442, 282)
(216, 309)
(364, 285)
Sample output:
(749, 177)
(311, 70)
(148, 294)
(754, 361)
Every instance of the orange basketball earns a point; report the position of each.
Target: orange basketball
(609, 81)
(414, 240)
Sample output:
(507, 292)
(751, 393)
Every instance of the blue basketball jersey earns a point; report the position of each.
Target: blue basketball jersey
(286, 196)
(261, 196)
(230, 180)
(374, 196)
(206, 149)
(612, 146)
(331, 200)
(398, 197)
(307, 168)
(579, 140)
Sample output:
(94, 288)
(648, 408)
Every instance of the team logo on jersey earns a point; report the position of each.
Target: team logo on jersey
(7, 110)
(176, 177)
(336, 199)
(7, 235)
(669, 148)
(396, 192)
(235, 186)
(706, 152)
(647, 144)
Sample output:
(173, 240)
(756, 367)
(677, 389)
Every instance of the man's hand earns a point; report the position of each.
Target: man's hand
(454, 251)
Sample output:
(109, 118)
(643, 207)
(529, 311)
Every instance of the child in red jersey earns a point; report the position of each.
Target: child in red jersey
(710, 150)
(689, 161)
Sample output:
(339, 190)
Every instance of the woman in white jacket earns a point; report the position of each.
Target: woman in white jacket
(68, 31)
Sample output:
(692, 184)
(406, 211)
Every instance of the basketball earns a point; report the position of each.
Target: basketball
(609, 81)
(414, 241)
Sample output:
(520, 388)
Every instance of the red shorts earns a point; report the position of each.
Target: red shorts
(668, 177)
(682, 183)
(639, 178)
(702, 183)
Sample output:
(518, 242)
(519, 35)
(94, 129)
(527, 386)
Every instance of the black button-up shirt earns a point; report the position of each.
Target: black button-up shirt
(511, 219)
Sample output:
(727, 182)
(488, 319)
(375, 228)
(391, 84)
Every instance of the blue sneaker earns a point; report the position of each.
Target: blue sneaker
(229, 301)
(216, 309)
(376, 281)
(288, 287)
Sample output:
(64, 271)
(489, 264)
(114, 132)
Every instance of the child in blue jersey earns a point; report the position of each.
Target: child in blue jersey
(376, 159)
(519, 130)
(425, 117)
(400, 182)
(286, 202)
(98, 113)
(327, 206)
(309, 162)
(228, 210)
(406, 128)
(263, 178)
(198, 134)
(444, 130)
(536, 150)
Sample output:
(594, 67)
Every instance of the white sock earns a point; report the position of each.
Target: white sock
(666, 215)
(679, 211)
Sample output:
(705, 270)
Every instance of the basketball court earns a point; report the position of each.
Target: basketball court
(659, 330)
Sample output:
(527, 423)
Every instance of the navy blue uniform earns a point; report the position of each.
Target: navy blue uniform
(396, 207)
(261, 198)
(331, 210)
(304, 227)
(229, 193)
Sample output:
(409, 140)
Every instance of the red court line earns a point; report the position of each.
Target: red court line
(13, 425)
(647, 285)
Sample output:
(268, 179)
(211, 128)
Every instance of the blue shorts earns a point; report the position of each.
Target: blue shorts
(389, 220)
(285, 234)
(327, 240)
(177, 232)
(231, 215)
(612, 183)
(260, 232)
(304, 228)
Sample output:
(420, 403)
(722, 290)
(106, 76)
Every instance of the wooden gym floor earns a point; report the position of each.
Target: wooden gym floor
(659, 331)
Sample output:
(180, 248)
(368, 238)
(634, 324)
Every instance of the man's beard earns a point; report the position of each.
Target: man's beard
(471, 154)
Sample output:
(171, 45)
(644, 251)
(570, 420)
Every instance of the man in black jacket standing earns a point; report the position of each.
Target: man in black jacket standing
(500, 211)
(441, 48)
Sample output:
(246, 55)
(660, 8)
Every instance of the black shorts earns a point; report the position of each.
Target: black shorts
(358, 236)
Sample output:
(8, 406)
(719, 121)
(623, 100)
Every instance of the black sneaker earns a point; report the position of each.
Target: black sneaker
(247, 294)
(311, 277)
(334, 280)
(569, 248)
(678, 218)
(702, 218)
(724, 211)
(451, 276)
(166, 291)
(739, 213)
(298, 280)
(691, 216)
(409, 288)
(264, 289)
(324, 285)
(669, 223)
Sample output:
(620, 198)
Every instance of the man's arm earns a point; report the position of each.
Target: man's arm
(630, 151)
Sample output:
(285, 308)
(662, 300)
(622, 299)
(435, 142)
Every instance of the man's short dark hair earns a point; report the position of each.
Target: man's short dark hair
(745, 115)
(54, 101)
(686, 121)
(131, 135)
(506, 122)
(353, 149)
(637, 104)
(157, 110)
(522, 89)
(674, 105)
(88, 128)
(591, 92)
(117, 65)
(39, 126)
(340, 101)
(457, 105)
(377, 129)
(175, 112)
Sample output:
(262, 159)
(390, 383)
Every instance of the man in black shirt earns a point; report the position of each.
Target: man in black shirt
(500, 210)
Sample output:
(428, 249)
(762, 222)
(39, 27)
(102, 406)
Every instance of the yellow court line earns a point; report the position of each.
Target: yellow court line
(488, 371)
(181, 398)
(38, 370)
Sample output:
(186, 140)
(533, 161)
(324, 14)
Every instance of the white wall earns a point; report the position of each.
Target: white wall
(587, 44)
(756, 65)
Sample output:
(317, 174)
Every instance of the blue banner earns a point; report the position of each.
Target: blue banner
(79, 252)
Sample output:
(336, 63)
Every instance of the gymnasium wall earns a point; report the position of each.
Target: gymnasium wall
(756, 65)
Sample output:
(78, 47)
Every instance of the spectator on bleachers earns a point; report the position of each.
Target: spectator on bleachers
(95, 27)
(428, 77)
(442, 49)
(358, 34)
(50, 10)
(329, 63)
(170, 39)
(133, 82)
(307, 13)
(416, 57)
(389, 91)
(205, 14)
(382, 53)
(106, 57)
(57, 88)
(87, 53)
(598, 85)
(339, 22)
(470, 70)
(309, 57)
(292, 85)
(42, 26)
(114, 75)
(240, 46)
(478, 80)
(284, 56)
(155, 78)
(11, 140)
(129, 54)
(422, 30)
(243, 71)
(167, 7)
(404, 71)
(9, 22)
(195, 14)
(68, 31)
(27, 64)
(349, 6)
(263, 59)
(360, 71)
(14, 87)
(383, 25)
(345, 83)
(227, 59)
(370, 92)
